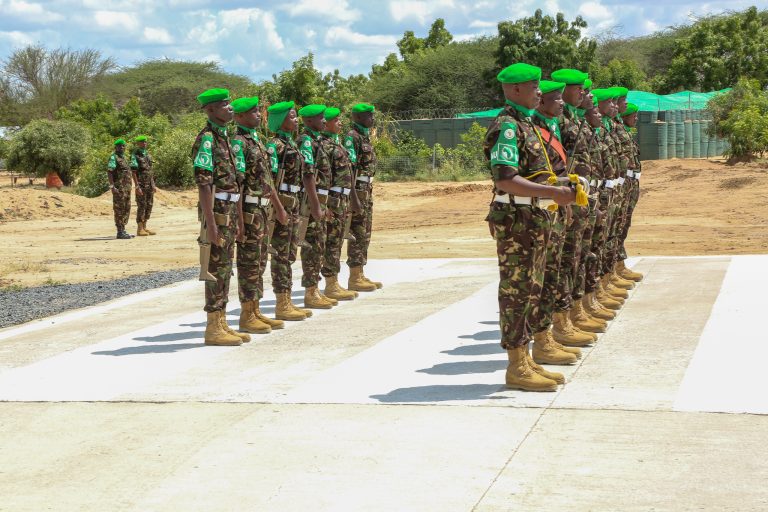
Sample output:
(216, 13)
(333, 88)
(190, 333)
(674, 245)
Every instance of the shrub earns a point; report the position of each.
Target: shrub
(741, 116)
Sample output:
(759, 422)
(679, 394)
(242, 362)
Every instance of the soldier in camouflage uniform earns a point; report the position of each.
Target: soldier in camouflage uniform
(316, 187)
(547, 350)
(519, 220)
(259, 196)
(358, 144)
(629, 120)
(341, 194)
(218, 175)
(119, 174)
(144, 179)
(288, 169)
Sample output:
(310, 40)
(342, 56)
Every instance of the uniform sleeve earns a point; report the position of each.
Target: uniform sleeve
(112, 163)
(134, 162)
(203, 159)
(349, 145)
(237, 147)
(504, 154)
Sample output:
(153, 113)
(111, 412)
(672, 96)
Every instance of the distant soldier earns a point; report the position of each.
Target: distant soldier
(629, 118)
(519, 220)
(216, 174)
(144, 179)
(363, 157)
(259, 198)
(342, 199)
(119, 174)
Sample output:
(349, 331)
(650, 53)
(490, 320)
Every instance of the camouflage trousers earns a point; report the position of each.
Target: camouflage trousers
(313, 251)
(339, 206)
(285, 245)
(357, 250)
(121, 206)
(612, 243)
(569, 262)
(521, 234)
(542, 315)
(220, 263)
(252, 255)
(633, 195)
(599, 240)
(144, 203)
(587, 258)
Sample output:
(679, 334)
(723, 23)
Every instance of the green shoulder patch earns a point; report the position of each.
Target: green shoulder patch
(204, 157)
(505, 152)
(305, 148)
(134, 161)
(349, 145)
(237, 147)
(272, 152)
(112, 164)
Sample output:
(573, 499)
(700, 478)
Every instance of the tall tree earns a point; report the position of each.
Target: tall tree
(438, 35)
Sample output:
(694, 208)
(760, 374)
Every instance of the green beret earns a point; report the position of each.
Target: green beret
(569, 76)
(312, 110)
(140, 138)
(548, 86)
(602, 95)
(241, 105)
(277, 113)
(213, 95)
(631, 109)
(332, 113)
(587, 84)
(518, 73)
(120, 141)
(363, 107)
(620, 92)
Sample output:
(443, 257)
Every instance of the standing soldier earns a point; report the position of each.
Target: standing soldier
(316, 188)
(119, 174)
(259, 197)
(358, 144)
(519, 221)
(342, 200)
(629, 118)
(288, 169)
(216, 174)
(144, 179)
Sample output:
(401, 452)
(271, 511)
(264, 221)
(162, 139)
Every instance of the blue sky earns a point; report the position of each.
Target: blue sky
(259, 38)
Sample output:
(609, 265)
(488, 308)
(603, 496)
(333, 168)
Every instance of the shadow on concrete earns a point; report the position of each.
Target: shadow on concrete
(442, 393)
(148, 349)
(482, 349)
(465, 367)
(267, 307)
(490, 322)
(483, 335)
(173, 336)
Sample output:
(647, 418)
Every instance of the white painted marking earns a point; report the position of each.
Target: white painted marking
(727, 371)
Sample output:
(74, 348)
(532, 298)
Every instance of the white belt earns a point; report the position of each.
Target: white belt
(340, 190)
(527, 201)
(609, 184)
(596, 183)
(367, 179)
(290, 188)
(261, 201)
(635, 174)
(322, 192)
(621, 181)
(546, 203)
(226, 196)
(630, 173)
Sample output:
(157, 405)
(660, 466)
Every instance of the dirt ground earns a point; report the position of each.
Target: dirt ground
(687, 207)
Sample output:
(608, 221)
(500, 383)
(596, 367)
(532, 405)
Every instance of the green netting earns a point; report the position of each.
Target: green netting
(646, 101)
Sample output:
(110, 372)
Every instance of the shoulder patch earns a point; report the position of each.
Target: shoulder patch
(349, 144)
(237, 147)
(204, 157)
(306, 150)
(112, 163)
(272, 152)
(505, 152)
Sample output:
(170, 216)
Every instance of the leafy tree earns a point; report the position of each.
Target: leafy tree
(620, 72)
(45, 146)
(302, 83)
(438, 35)
(741, 116)
(410, 45)
(390, 63)
(343, 91)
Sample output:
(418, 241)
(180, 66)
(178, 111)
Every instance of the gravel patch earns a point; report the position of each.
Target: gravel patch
(21, 306)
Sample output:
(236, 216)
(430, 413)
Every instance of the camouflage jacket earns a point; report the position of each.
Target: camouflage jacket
(513, 147)
(634, 157)
(284, 155)
(557, 162)
(215, 161)
(624, 145)
(341, 166)
(576, 135)
(120, 168)
(258, 165)
(315, 158)
(597, 148)
(141, 162)
(360, 149)
(611, 164)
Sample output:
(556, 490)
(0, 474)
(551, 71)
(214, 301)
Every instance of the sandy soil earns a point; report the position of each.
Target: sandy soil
(687, 207)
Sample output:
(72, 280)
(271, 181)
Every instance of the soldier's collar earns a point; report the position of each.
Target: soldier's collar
(309, 131)
(362, 129)
(527, 112)
(580, 112)
(538, 114)
(221, 130)
(286, 135)
(333, 136)
(250, 131)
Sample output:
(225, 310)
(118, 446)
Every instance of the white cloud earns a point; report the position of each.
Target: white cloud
(31, 11)
(424, 11)
(483, 24)
(337, 10)
(337, 36)
(157, 35)
(17, 38)
(261, 22)
(115, 20)
(594, 11)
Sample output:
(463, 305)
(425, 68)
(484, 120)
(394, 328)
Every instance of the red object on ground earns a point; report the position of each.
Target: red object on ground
(52, 180)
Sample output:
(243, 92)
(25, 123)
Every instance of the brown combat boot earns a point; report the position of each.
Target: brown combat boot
(618, 281)
(595, 309)
(148, 230)
(245, 338)
(521, 376)
(546, 351)
(557, 377)
(272, 322)
(333, 290)
(249, 322)
(216, 335)
(606, 300)
(141, 231)
(313, 300)
(628, 274)
(285, 310)
(616, 292)
(331, 301)
(582, 320)
(377, 284)
(357, 281)
(565, 333)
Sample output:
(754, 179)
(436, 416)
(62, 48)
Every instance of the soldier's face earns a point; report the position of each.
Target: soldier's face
(334, 125)
(631, 120)
(220, 112)
(526, 94)
(573, 95)
(621, 105)
(316, 123)
(364, 118)
(249, 119)
(119, 149)
(607, 107)
(291, 122)
(142, 144)
(551, 104)
(587, 101)
(593, 117)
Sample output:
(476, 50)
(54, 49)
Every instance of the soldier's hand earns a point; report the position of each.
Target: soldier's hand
(328, 214)
(355, 205)
(240, 232)
(139, 192)
(213, 234)
(281, 216)
(564, 196)
(317, 213)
